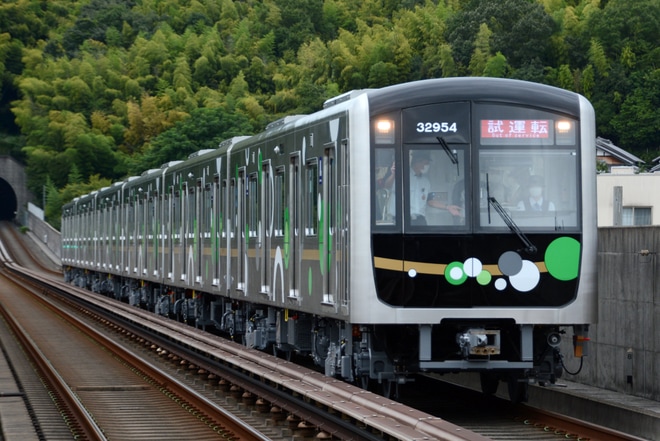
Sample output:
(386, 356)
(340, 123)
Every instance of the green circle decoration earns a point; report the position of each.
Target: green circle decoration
(562, 258)
(484, 278)
(455, 274)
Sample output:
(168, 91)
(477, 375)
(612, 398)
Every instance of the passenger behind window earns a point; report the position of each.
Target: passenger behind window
(420, 195)
(536, 200)
(385, 188)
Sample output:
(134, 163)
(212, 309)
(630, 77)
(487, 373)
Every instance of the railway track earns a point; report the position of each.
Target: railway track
(498, 418)
(279, 398)
(101, 390)
(109, 394)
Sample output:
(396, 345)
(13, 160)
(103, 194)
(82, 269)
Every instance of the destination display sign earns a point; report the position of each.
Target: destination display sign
(515, 128)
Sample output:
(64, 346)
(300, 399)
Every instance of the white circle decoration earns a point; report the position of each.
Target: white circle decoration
(527, 278)
(456, 273)
(500, 284)
(472, 267)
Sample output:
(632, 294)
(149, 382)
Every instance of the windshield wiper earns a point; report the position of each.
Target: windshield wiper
(530, 248)
(453, 157)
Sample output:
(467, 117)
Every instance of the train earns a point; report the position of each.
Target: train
(390, 233)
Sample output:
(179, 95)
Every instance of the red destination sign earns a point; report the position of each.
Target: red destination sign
(515, 128)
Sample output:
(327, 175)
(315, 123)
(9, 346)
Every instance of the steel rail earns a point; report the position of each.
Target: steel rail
(361, 420)
(81, 423)
(238, 428)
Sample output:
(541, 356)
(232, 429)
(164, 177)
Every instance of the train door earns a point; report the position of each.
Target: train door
(253, 225)
(156, 219)
(143, 221)
(103, 235)
(199, 229)
(241, 234)
(150, 247)
(165, 233)
(342, 234)
(216, 228)
(294, 227)
(224, 219)
(171, 233)
(107, 227)
(328, 224)
(131, 228)
(265, 231)
(95, 232)
(232, 219)
(279, 231)
(125, 208)
(178, 272)
(114, 227)
(189, 239)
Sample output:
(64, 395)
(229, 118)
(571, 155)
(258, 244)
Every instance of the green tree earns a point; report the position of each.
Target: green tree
(73, 190)
(481, 52)
(300, 21)
(205, 129)
(53, 208)
(638, 122)
(497, 66)
(521, 30)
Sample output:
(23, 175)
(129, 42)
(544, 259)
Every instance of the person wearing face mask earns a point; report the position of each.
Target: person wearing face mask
(536, 201)
(420, 195)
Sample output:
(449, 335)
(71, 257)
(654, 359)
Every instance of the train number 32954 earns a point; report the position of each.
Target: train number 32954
(436, 127)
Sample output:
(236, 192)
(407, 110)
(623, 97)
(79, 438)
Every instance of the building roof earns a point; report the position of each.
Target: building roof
(605, 147)
(656, 167)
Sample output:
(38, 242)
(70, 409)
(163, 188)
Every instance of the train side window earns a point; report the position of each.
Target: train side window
(279, 202)
(385, 185)
(241, 233)
(176, 215)
(222, 207)
(191, 211)
(253, 205)
(233, 207)
(311, 197)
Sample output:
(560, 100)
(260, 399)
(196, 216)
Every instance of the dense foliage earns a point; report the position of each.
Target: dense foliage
(93, 90)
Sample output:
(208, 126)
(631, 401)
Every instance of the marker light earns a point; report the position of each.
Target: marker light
(384, 131)
(563, 126)
(564, 132)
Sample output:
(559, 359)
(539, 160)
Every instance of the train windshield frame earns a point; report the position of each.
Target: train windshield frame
(528, 166)
(477, 167)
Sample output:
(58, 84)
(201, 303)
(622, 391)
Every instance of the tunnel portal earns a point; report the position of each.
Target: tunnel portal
(8, 202)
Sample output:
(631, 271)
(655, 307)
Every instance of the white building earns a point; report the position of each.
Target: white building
(628, 198)
(625, 196)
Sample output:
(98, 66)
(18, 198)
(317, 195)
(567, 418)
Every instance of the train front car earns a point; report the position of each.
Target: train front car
(483, 231)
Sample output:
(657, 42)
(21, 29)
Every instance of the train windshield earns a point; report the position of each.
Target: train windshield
(434, 177)
(528, 169)
(482, 167)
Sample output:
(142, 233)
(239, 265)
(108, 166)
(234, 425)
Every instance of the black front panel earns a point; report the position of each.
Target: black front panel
(465, 271)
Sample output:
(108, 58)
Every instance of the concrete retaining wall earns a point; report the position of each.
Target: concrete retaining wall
(42, 230)
(625, 347)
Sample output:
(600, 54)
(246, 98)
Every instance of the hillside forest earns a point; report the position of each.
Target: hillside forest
(92, 91)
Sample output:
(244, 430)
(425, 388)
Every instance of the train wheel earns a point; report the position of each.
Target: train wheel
(518, 389)
(286, 354)
(390, 389)
(489, 383)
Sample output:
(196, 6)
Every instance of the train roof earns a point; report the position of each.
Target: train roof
(474, 89)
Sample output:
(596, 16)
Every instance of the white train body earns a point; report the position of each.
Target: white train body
(287, 239)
